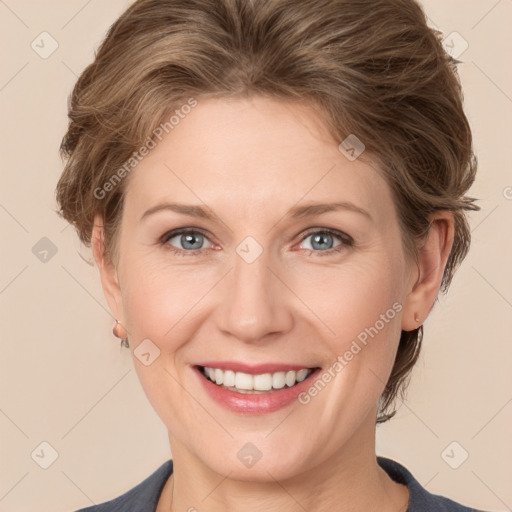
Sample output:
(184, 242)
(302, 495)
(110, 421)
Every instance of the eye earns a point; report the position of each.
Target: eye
(189, 241)
(322, 241)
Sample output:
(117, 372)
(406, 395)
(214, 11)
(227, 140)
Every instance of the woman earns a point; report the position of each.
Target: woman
(274, 193)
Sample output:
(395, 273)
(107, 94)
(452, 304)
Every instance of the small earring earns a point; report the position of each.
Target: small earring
(120, 332)
(416, 318)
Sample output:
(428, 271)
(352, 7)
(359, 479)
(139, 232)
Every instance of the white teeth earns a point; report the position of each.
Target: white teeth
(243, 380)
(290, 378)
(262, 382)
(301, 375)
(278, 380)
(229, 378)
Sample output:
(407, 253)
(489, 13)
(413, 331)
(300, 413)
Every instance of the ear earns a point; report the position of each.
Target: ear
(432, 258)
(108, 271)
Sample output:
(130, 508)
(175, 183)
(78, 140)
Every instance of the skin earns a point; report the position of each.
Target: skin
(249, 161)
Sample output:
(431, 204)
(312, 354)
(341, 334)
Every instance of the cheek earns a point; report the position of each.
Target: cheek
(157, 297)
(362, 307)
(159, 303)
(352, 298)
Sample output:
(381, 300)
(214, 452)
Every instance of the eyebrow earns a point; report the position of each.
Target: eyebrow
(297, 212)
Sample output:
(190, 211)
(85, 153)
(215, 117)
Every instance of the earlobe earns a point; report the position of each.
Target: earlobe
(107, 269)
(432, 258)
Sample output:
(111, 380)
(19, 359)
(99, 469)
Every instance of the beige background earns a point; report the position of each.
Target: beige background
(63, 377)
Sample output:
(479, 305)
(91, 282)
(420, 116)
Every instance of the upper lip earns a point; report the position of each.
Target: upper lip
(254, 369)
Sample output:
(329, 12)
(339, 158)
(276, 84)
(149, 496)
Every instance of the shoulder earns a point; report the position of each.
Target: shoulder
(143, 495)
(420, 500)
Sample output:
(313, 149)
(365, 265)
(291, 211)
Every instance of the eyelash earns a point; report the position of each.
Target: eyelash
(347, 241)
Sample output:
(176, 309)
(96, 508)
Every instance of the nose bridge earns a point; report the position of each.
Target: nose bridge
(255, 303)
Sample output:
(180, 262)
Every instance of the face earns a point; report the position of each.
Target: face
(260, 284)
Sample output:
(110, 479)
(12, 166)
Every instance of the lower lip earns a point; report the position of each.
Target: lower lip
(254, 403)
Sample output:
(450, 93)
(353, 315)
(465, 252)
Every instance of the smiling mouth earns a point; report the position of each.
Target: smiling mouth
(247, 383)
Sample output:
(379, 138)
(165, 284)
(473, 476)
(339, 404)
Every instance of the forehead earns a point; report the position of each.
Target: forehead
(251, 153)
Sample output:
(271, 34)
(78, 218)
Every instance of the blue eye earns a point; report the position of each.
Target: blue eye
(322, 240)
(190, 240)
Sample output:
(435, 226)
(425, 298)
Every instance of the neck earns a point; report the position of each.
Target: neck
(350, 480)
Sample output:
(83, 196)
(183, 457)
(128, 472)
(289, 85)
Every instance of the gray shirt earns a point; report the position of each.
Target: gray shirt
(144, 496)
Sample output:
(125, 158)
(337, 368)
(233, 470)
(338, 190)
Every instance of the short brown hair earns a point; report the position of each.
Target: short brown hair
(373, 68)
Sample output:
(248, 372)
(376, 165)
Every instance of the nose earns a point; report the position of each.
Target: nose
(255, 303)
